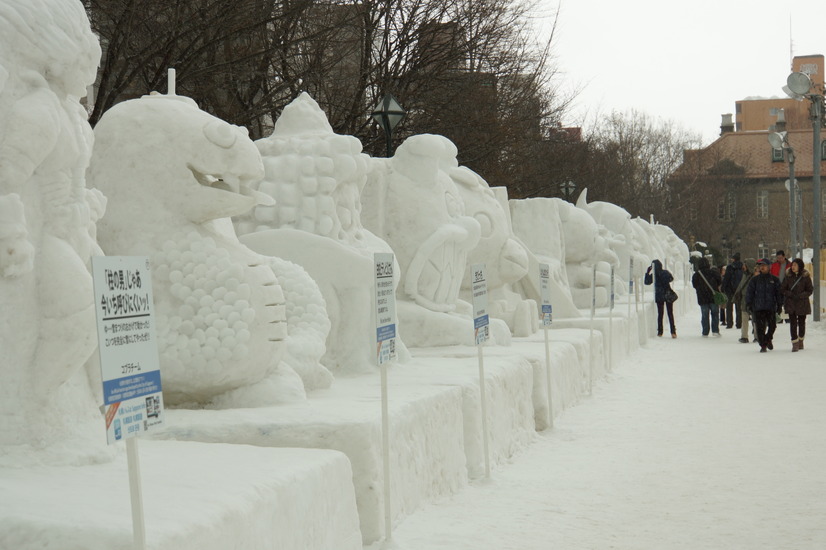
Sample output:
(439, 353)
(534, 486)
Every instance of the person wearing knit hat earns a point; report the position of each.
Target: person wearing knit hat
(796, 289)
(734, 273)
(765, 301)
(749, 271)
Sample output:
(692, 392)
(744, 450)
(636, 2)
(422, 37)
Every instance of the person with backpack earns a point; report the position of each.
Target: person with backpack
(734, 273)
(764, 300)
(664, 295)
(706, 282)
(796, 289)
(749, 271)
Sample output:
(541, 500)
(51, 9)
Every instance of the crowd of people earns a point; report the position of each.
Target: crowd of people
(751, 295)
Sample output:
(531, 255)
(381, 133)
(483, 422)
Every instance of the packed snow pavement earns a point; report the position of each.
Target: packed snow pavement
(699, 443)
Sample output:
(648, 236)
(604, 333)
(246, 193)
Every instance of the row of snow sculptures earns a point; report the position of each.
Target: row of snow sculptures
(48, 56)
(385, 302)
(130, 370)
(481, 322)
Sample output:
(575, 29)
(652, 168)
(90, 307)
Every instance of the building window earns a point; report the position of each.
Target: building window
(823, 150)
(762, 251)
(727, 207)
(763, 204)
(773, 111)
(777, 155)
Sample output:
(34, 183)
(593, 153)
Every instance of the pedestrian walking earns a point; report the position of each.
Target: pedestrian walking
(706, 281)
(780, 265)
(765, 301)
(664, 295)
(722, 271)
(731, 280)
(796, 289)
(749, 270)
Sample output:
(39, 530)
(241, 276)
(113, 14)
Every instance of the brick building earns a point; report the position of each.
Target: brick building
(732, 194)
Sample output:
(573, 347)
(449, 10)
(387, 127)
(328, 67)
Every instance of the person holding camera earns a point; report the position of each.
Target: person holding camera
(664, 295)
(765, 301)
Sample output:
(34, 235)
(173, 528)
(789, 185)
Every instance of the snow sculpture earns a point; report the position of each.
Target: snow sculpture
(506, 260)
(48, 55)
(412, 202)
(316, 177)
(538, 224)
(174, 175)
(586, 245)
(623, 241)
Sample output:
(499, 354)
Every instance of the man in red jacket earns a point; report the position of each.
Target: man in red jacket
(780, 266)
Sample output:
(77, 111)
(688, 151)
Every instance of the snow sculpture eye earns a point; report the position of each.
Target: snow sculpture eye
(221, 134)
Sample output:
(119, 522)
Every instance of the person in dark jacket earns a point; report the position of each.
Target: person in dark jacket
(749, 266)
(706, 282)
(764, 300)
(796, 289)
(662, 286)
(734, 273)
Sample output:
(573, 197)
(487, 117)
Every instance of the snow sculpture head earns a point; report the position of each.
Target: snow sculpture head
(538, 223)
(617, 221)
(48, 55)
(316, 178)
(173, 175)
(505, 258)
(426, 224)
(53, 40)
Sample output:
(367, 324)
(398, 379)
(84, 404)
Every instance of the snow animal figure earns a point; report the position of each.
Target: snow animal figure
(586, 245)
(174, 175)
(623, 242)
(506, 260)
(412, 202)
(538, 224)
(316, 178)
(48, 55)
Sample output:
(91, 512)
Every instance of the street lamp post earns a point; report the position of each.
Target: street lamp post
(780, 140)
(798, 86)
(388, 113)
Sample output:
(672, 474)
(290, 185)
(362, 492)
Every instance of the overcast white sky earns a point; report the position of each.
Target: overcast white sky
(682, 61)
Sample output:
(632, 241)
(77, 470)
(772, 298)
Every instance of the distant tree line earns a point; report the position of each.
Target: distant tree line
(471, 70)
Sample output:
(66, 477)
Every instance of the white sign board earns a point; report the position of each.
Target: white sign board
(385, 308)
(612, 287)
(127, 345)
(545, 294)
(631, 275)
(479, 287)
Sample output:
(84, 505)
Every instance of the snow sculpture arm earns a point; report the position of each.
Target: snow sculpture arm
(16, 252)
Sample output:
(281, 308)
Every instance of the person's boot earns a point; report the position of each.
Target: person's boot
(762, 349)
(800, 343)
(769, 344)
(795, 345)
(673, 334)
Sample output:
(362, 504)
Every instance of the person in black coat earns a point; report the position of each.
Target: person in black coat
(662, 287)
(706, 282)
(734, 273)
(764, 300)
(796, 289)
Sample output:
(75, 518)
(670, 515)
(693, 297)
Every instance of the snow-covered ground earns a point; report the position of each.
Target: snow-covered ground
(696, 443)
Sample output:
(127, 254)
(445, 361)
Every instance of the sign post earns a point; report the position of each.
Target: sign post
(130, 370)
(385, 302)
(630, 293)
(547, 319)
(481, 322)
(591, 333)
(611, 325)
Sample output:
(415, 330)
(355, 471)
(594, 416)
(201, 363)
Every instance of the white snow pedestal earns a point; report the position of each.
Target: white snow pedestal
(256, 498)
(435, 414)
